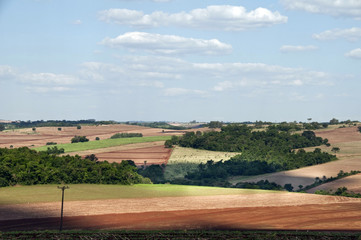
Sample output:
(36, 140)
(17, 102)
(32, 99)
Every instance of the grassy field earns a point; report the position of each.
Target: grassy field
(77, 192)
(77, 147)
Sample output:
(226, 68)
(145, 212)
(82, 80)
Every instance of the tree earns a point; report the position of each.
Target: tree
(78, 127)
(2, 127)
(34, 129)
(335, 149)
(215, 124)
(97, 138)
(334, 121)
(77, 139)
(359, 129)
(288, 187)
(59, 129)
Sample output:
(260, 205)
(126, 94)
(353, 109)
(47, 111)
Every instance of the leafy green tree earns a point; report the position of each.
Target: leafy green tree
(288, 187)
(335, 149)
(334, 121)
(77, 139)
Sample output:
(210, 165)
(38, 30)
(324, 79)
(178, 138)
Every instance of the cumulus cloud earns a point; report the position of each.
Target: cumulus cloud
(337, 8)
(351, 34)
(167, 44)
(356, 53)
(291, 48)
(216, 17)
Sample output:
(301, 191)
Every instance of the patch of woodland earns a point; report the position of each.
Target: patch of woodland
(261, 152)
(28, 167)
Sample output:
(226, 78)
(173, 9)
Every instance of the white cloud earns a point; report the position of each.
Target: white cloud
(183, 91)
(291, 48)
(49, 79)
(351, 34)
(216, 17)
(356, 53)
(6, 72)
(167, 44)
(337, 8)
(47, 89)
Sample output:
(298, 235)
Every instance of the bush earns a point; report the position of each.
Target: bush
(55, 150)
(51, 143)
(77, 139)
(2, 127)
(126, 135)
(59, 129)
(78, 127)
(97, 138)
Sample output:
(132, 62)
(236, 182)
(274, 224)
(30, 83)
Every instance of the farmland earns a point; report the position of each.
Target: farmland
(174, 207)
(148, 148)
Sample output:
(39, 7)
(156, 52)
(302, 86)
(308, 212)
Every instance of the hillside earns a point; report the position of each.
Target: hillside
(349, 158)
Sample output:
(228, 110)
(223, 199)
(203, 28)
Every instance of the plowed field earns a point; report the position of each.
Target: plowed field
(255, 211)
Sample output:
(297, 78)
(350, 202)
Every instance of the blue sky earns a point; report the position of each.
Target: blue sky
(180, 60)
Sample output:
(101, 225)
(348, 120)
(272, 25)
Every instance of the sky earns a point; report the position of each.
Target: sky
(180, 60)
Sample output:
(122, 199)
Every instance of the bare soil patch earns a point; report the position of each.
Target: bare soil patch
(308, 217)
(347, 134)
(152, 155)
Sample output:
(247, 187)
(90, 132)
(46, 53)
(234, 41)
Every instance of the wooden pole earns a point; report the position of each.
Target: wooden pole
(62, 205)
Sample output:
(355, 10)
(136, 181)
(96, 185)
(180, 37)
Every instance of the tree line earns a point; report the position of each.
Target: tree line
(28, 167)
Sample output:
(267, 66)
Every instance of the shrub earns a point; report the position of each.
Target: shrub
(59, 129)
(97, 138)
(126, 135)
(78, 127)
(77, 139)
(51, 143)
(55, 150)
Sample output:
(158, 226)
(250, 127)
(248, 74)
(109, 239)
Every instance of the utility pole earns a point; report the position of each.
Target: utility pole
(62, 205)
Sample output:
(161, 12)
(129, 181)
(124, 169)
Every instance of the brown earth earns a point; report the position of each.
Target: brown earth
(140, 156)
(255, 211)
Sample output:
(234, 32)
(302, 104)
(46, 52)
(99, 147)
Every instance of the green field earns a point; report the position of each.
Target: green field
(83, 146)
(77, 192)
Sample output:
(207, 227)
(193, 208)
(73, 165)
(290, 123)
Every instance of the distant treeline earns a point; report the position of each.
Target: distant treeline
(241, 138)
(28, 167)
(156, 125)
(55, 123)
